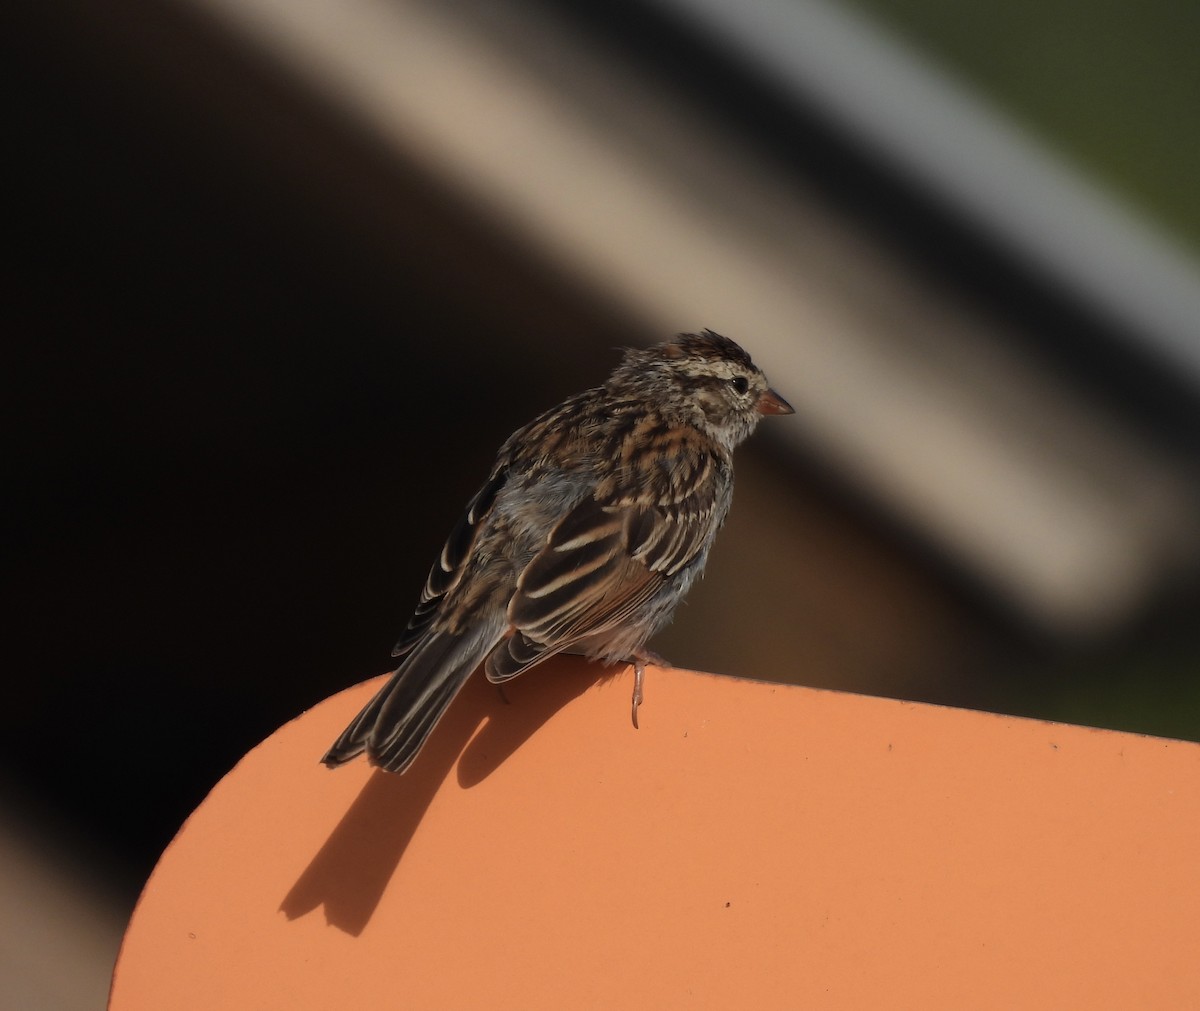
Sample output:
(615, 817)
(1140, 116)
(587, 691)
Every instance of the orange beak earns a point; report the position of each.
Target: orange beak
(772, 403)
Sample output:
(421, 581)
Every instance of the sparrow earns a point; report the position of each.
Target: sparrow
(593, 524)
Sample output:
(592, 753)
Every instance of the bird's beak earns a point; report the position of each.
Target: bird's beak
(772, 403)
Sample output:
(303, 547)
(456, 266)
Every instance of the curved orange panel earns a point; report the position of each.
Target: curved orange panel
(753, 845)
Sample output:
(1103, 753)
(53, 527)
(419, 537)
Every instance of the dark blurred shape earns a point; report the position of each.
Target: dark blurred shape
(223, 408)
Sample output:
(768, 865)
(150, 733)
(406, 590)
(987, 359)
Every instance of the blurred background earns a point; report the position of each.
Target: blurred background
(280, 275)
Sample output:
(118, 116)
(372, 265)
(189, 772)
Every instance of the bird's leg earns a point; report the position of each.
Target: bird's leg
(639, 661)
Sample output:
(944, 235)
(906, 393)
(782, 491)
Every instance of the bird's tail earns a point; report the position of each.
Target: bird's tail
(394, 725)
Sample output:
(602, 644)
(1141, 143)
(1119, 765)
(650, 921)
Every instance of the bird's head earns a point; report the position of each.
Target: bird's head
(703, 379)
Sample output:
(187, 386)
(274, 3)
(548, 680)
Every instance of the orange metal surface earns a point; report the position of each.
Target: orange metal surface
(753, 845)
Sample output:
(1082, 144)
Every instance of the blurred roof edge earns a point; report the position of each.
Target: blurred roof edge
(984, 166)
(939, 414)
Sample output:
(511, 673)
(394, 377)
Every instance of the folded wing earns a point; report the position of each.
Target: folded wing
(607, 558)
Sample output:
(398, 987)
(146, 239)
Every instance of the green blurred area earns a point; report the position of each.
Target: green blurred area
(1110, 85)
(1154, 691)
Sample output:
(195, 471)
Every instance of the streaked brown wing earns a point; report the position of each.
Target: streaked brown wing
(585, 578)
(603, 561)
(448, 569)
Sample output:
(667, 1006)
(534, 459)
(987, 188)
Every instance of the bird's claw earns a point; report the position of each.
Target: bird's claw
(639, 661)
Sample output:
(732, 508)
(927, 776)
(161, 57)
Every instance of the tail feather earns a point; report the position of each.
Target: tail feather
(353, 740)
(397, 750)
(393, 726)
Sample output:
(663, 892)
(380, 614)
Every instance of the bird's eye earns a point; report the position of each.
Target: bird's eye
(740, 384)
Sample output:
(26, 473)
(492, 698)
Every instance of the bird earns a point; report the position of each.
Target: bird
(593, 524)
